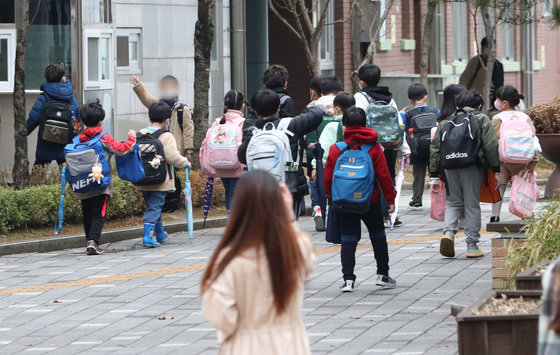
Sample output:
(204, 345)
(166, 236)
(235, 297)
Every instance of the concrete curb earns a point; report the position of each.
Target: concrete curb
(110, 236)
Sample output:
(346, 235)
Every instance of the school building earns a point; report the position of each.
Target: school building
(103, 42)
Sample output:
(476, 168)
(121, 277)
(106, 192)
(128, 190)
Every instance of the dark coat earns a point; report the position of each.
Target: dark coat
(47, 151)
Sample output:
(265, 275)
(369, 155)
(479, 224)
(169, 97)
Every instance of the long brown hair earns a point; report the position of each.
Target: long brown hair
(260, 218)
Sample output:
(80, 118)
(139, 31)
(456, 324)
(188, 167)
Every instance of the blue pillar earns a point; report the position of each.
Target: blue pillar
(257, 43)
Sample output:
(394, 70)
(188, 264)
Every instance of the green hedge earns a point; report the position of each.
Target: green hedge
(37, 206)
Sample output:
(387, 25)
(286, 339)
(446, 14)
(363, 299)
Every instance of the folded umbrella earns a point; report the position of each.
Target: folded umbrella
(398, 186)
(208, 192)
(188, 204)
(318, 153)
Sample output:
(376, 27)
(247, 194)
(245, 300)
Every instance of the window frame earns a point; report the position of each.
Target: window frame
(134, 66)
(327, 40)
(459, 47)
(547, 7)
(10, 35)
(99, 83)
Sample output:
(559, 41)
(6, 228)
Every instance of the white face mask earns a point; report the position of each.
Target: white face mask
(168, 95)
(498, 105)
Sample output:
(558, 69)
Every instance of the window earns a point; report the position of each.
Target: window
(508, 39)
(98, 59)
(129, 50)
(459, 31)
(96, 11)
(548, 5)
(7, 11)
(7, 58)
(216, 52)
(326, 43)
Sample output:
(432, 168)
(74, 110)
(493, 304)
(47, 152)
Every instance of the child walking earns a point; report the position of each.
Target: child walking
(507, 99)
(94, 204)
(357, 134)
(154, 195)
(418, 124)
(252, 290)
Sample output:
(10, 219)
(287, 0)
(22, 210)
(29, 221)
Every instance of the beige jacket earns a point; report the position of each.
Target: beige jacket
(172, 157)
(468, 74)
(184, 138)
(240, 305)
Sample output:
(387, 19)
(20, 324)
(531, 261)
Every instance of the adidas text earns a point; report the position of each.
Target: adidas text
(456, 156)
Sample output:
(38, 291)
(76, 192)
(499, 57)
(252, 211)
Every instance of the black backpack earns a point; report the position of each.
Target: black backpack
(173, 198)
(56, 124)
(419, 138)
(460, 141)
(151, 149)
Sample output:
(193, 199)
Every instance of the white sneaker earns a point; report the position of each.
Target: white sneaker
(347, 286)
(385, 282)
(318, 219)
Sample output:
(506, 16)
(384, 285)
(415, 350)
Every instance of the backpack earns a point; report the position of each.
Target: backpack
(384, 118)
(88, 168)
(353, 179)
(516, 140)
(173, 198)
(130, 167)
(459, 143)
(312, 137)
(269, 149)
(419, 135)
(219, 149)
(57, 121)
(153, 158)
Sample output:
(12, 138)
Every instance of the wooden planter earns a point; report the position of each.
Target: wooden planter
(498, 334)
(530, 279)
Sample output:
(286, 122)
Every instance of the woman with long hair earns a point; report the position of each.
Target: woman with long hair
(449, 105)
(252, 290)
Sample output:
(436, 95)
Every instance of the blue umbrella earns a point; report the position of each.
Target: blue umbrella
(208, 192)
(188, 204)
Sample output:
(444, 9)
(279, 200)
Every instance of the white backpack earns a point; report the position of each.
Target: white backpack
(269, 149)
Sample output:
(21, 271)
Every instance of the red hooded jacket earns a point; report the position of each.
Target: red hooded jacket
(366, 136)
(109, 143)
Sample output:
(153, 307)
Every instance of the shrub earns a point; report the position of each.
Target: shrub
(546, 117)
(37, 206)
(542, 243)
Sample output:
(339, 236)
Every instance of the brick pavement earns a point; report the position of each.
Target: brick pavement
(119, 316)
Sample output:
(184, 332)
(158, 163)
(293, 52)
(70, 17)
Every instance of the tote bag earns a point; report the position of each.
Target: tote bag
(437, 210)
(524, 194)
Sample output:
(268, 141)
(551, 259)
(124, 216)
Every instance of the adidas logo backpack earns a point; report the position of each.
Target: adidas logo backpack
(88, 168)
(459, 143)
(269, 149)
(353, 179)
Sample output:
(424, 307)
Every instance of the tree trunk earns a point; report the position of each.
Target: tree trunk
(203, 38)
(489, 20)
(20, 171)
(355, 30)
(427, 41)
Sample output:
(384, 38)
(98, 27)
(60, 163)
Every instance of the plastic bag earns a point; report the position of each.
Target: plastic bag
(437, 210)
(524, 194)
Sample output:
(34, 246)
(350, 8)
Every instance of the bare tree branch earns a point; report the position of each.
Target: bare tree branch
(283, 20)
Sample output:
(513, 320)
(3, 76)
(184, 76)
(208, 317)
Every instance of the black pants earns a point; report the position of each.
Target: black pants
(350, 230)
(391, 158)
(48, 162)
(94, 209)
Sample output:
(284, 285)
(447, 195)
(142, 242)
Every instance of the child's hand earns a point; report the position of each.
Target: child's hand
(314, 174)
(131, 133)
(391, 209)
(189, 166)
(134, 79)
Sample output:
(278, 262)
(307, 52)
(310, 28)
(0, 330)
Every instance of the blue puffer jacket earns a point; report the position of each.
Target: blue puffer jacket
(47, 151)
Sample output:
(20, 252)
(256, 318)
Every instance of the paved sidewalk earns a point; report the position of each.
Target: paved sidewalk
(67, 303)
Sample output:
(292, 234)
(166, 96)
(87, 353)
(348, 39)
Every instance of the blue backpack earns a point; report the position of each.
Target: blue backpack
(80, 160)
(130, 166)
(353, 179)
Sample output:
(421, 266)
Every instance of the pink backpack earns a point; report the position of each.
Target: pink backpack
(516, 139)
(218, 152)
(524, 194)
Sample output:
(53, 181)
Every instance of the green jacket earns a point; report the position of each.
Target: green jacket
(488, 156)
(312, 137)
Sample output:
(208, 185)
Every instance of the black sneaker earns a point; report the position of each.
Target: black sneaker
(415, 205)
(93, 248)
(398, 222)
(494, 219)
(385, 282)
(347, 286)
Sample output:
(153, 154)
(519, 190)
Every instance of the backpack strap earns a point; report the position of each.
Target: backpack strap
(368, 97)
(368, 146)
(284, 124)
(180, 110)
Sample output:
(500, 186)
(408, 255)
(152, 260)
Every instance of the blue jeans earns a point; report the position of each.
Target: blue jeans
(314, 193)
(154, 203)
(229, 186)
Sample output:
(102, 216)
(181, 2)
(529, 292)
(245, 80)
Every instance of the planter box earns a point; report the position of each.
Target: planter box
(530, 279)
(498, 334)
(501, 277)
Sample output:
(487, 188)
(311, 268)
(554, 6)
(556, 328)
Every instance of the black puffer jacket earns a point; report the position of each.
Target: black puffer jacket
(299, 126)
